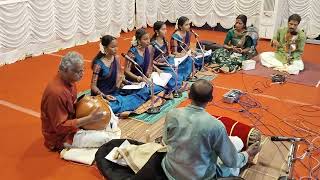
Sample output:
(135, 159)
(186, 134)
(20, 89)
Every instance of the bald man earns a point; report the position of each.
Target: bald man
(196, 140)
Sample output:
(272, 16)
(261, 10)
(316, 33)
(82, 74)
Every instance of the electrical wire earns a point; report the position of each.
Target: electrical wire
(297, 122)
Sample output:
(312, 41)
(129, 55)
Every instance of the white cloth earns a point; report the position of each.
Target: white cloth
(34, 27)
(114, 154)
(86, 142)
(269, 60)
(96, 138)
(80, 155)
(93, 138)
(136, 156)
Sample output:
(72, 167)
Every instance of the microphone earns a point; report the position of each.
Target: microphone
(130, 59)
(195, 34)
(283, 138)
(157, 47)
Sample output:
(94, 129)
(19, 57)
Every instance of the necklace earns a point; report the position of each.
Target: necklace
(107, 61)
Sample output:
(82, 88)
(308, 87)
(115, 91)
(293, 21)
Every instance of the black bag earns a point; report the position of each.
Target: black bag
(209, 45)
(152, 170)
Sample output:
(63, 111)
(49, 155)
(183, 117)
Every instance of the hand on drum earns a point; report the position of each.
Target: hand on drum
(96, 115)
(253, 149)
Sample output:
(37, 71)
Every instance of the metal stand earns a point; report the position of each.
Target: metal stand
(193, 78)
(202, 65)
(291, 161)
(176, 93)
(152, 109)
(291, 156)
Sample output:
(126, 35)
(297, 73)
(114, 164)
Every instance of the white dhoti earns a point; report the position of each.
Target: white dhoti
(86, 142)
(96, 138)
(269, 60)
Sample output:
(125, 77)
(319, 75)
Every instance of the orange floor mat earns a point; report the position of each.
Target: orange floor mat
(23, 155)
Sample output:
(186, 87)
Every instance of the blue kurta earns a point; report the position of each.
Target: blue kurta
(195, 140)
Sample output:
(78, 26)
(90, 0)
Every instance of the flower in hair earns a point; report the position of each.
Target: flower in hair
(102, 48)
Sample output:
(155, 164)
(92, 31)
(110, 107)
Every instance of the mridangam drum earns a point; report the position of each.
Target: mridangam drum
(86, 105)
(248, 134)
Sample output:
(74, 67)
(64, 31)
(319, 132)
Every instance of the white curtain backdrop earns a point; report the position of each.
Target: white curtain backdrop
(199, 11)
(34, 27)
(225, 12)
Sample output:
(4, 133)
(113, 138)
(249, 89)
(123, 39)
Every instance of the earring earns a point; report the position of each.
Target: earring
(139, 45)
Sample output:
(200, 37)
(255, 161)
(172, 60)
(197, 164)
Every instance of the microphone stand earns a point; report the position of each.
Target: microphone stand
(291, 159)
(193, 78)
(202, 64)
(176, 93)
(152, 109)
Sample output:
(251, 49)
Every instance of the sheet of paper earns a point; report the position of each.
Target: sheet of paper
(178, 61)
(121, 161)
(161, 79)
(135, 86)
(206, 53)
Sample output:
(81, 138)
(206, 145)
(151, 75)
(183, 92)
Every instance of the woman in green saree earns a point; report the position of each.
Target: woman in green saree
(238, 46)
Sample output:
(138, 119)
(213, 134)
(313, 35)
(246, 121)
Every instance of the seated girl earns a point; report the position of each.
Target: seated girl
(238, 46)
(180, 46)
(107, 79)
(162, 59)
(141, 53)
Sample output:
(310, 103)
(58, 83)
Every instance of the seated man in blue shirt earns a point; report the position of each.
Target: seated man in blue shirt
(195, 140)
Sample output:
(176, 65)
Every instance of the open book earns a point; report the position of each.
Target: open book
(160, 79)
(178, 61)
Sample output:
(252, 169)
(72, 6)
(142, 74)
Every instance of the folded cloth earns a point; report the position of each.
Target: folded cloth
(137, 156)
(80, 155)
(113, 171)
(113, 156)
